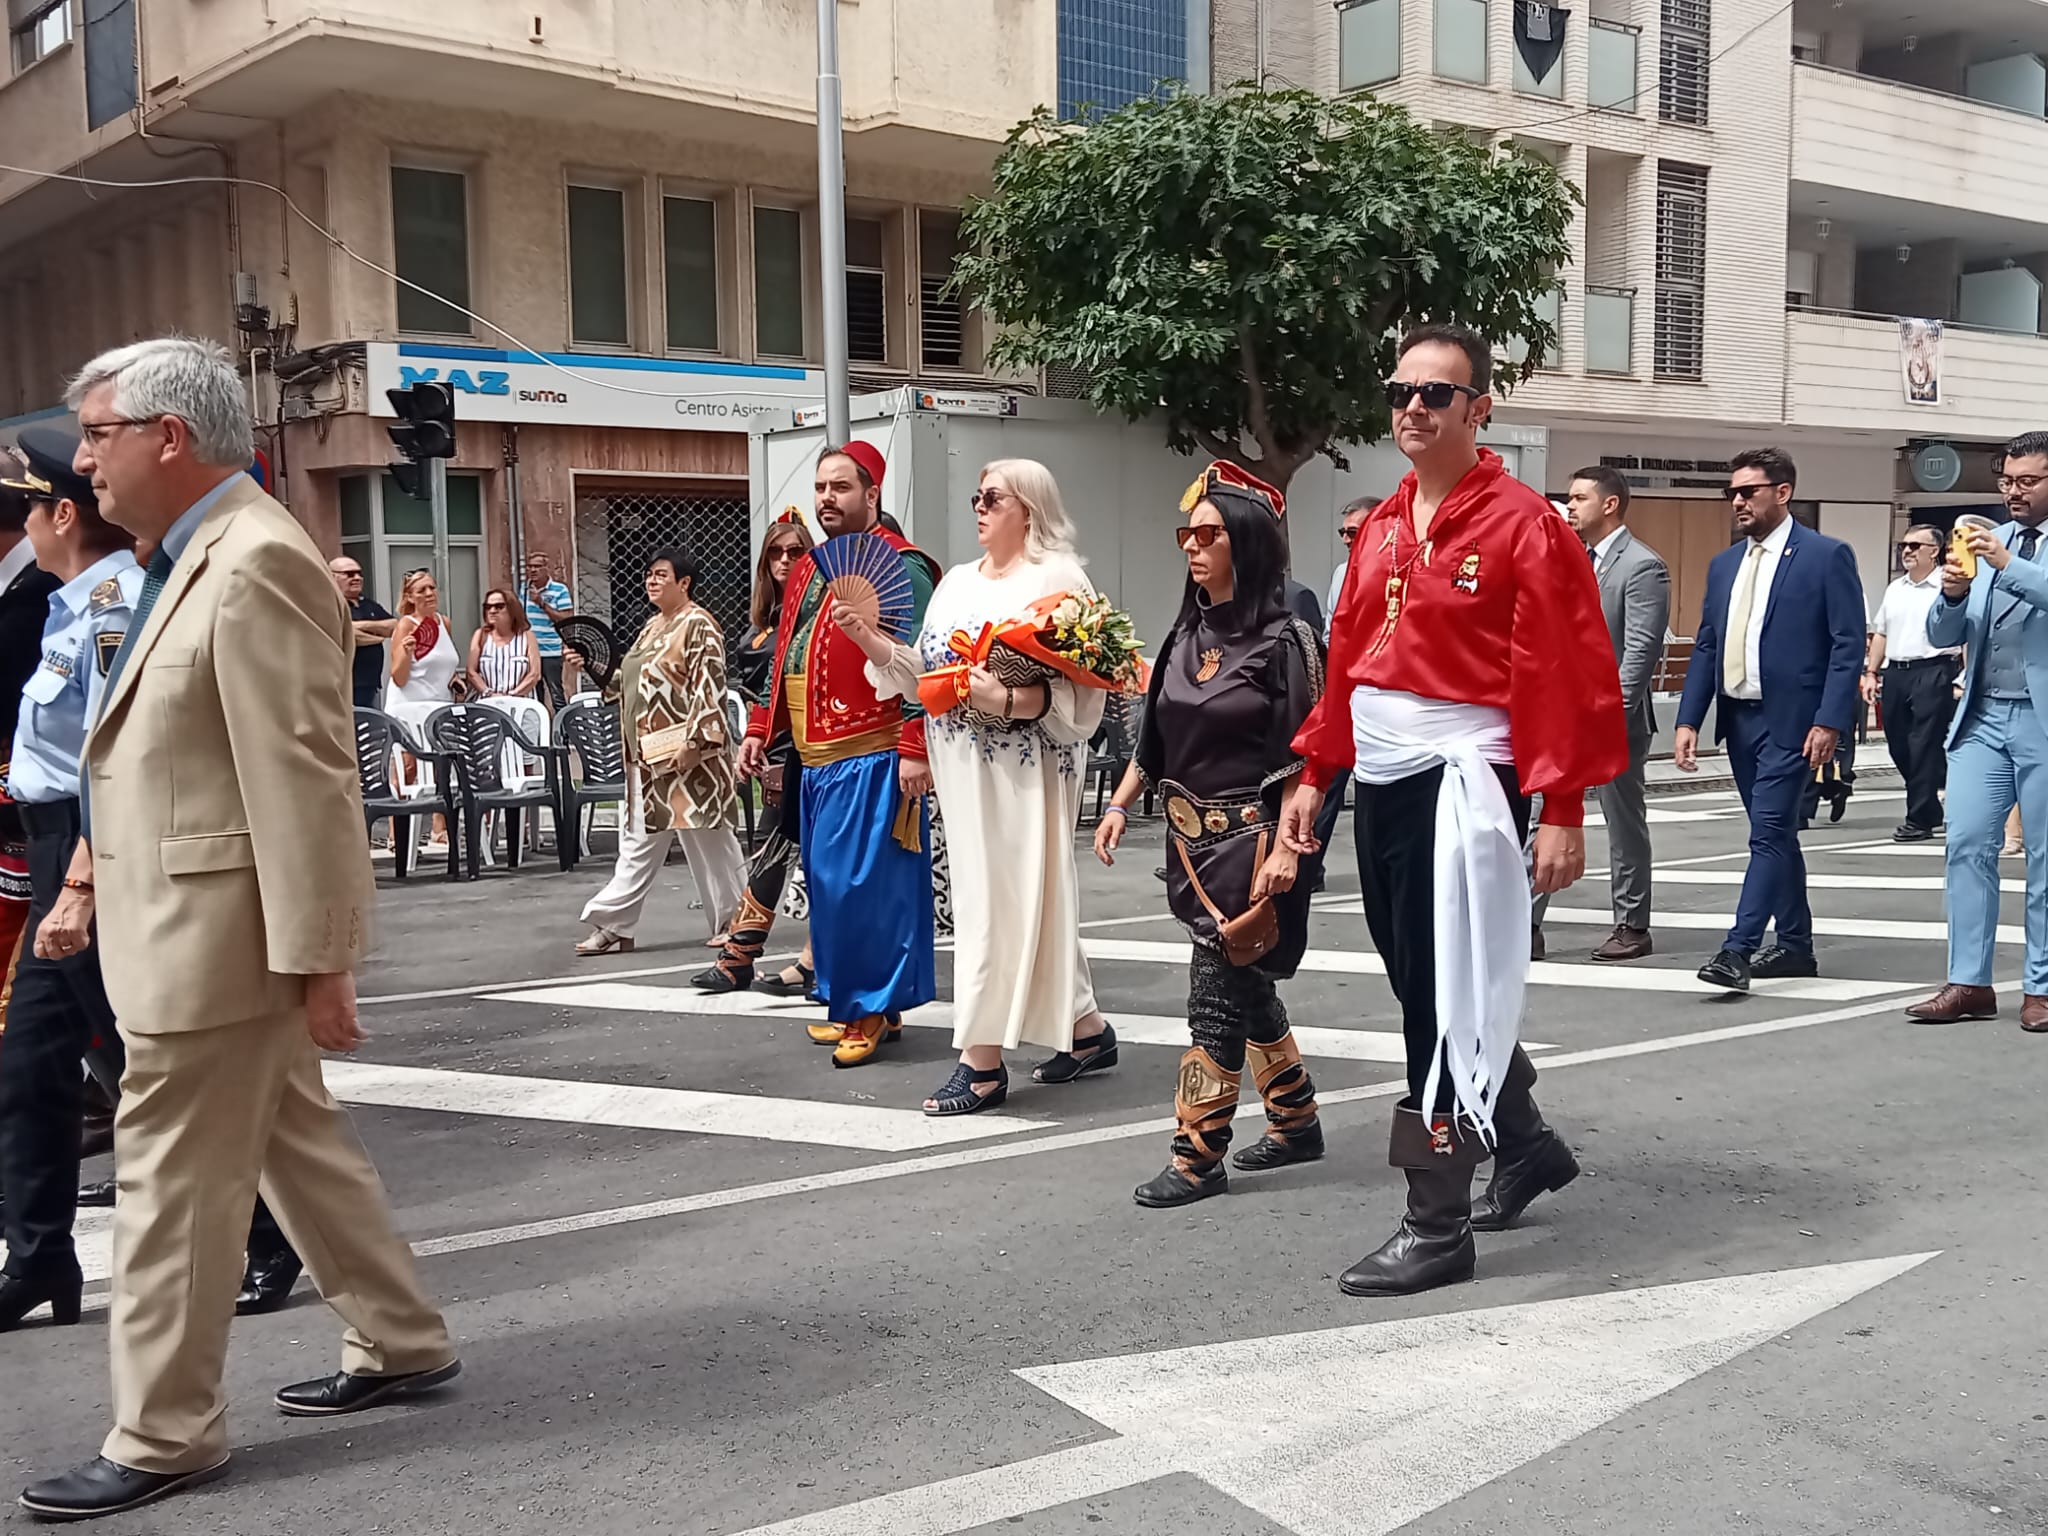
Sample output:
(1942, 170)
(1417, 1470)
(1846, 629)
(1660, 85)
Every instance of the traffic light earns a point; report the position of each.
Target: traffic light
(425, 430)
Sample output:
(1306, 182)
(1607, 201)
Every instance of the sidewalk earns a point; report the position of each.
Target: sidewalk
(1874, 770)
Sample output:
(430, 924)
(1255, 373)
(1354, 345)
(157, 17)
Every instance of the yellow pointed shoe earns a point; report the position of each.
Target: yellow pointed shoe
(863, 1039)
(825, 1034)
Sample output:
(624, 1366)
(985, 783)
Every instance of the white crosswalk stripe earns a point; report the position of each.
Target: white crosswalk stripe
(1929, 931)
(1131, 1028)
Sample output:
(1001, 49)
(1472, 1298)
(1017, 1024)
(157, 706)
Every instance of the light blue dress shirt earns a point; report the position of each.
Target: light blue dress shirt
(89, 616)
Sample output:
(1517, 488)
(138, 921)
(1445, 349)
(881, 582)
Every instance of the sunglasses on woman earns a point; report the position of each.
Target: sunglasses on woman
(494, 607)
(1203, 534)
(1437, 394)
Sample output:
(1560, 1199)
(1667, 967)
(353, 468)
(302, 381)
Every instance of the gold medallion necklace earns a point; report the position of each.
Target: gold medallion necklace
(1397, 580)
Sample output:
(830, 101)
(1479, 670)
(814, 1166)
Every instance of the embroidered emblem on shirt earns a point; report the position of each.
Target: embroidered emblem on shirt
(107, 643)
(1216, 821)
(1467, 579)
(1440, 1131)
(1212, 663)
(105, 595)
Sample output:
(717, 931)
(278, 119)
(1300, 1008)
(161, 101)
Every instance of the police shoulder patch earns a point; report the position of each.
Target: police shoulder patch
(105, 595)
(107, 643)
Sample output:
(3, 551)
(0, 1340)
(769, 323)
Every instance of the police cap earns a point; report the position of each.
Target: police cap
(48, 475)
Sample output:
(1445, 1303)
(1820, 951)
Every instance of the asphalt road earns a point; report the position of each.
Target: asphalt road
(704, 1283)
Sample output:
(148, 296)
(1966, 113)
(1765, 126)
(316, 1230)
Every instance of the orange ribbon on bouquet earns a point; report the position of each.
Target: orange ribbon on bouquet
(944, 687)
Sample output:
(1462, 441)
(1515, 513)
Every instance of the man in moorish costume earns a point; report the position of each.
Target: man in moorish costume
(865, 838)
(1470, 669)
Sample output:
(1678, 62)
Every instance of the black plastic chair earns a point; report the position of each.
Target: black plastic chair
(1114, 745)
(476, 736)
(591, 731)
(378, 735)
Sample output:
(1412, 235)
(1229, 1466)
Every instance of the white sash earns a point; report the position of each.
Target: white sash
(1482, 904)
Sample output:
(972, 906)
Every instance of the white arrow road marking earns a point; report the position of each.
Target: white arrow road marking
(1541, 974)
(1131, 1028)
(1382, 1423)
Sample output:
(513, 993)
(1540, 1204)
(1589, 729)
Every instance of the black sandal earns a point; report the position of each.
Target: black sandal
(956, 1096)
(779, 986)
(1066, 1066)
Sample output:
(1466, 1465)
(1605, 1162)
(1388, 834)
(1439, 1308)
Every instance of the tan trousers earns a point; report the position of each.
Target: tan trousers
(201, 1115)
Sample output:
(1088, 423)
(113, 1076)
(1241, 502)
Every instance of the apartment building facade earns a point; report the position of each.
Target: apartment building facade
(598, 224)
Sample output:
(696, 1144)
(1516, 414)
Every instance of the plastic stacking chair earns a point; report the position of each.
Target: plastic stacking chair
(378, 738)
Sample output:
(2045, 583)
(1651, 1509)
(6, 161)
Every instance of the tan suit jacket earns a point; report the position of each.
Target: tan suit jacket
(229, 847)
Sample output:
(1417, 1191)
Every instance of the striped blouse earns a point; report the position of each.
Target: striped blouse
(502, 662)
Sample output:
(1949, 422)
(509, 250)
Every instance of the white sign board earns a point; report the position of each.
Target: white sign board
(583, 389)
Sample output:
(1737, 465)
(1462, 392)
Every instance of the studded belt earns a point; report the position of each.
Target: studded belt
(1202, 823)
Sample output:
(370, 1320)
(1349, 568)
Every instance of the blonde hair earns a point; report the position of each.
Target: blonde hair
(408, 604)
(1048, 530)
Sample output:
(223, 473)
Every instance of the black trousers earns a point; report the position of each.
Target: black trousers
(781, 835)
(1919, 697)
(551, 680)
(58, 1017)
(1395, 825)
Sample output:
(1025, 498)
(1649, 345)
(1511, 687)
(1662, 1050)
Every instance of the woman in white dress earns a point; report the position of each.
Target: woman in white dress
(1011, 793)
(426, 669)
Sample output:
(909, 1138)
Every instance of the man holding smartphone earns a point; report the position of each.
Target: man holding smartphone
(548, 602)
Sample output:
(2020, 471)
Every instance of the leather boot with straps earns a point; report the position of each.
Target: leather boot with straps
(1433, 1245)
(1204, 1101)
(1294, 1133)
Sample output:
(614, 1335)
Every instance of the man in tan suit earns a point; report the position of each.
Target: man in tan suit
(229, 872)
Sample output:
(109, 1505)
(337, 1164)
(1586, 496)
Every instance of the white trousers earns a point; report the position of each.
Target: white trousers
(716, 864)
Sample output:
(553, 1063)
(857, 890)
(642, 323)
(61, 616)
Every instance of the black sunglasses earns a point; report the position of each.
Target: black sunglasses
(1918, 544)
(1437, 394)
(1743, 492)
(1203, 534)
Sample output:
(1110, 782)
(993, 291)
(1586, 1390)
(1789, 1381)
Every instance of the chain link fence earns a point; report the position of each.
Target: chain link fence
(619, 531)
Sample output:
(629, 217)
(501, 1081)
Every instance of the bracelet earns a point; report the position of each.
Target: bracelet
(1009, 702)
(76, 885)
(1118, 809)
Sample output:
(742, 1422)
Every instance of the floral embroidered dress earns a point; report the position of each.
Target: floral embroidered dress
(1011, 800)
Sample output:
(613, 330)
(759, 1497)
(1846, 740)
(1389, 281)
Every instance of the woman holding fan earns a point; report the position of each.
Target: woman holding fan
(1007, 768)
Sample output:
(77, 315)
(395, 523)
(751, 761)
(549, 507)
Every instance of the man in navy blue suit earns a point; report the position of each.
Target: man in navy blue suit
(1779, 652)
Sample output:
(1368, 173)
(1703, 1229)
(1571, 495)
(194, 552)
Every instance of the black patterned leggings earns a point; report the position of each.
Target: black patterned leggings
(1230, 1004)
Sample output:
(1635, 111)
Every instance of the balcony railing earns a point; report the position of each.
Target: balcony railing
(1610, 330)
(1611, 49)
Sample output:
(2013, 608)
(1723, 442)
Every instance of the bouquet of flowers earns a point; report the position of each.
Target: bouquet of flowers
(1081, 637)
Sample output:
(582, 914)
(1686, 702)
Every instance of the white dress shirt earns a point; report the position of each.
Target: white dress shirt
(1901, 618)
(1760, 605)
(1605, 547)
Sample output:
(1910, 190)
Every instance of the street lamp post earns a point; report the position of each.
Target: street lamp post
(832, 224)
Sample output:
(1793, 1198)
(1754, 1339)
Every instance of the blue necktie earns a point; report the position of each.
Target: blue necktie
(153, 579)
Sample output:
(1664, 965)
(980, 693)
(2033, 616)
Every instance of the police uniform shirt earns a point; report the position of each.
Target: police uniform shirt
(89, 617)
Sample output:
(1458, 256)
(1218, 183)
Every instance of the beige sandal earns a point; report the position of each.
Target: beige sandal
(605, 942)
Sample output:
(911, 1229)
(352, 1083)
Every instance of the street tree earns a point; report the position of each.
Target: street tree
(1244, 263)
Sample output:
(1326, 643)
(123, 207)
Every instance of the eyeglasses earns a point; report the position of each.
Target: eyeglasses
(1347, 534)
(986, 499)
(1437, 394)
(97, 432)
(494, 607)
(2027, 483)
(1917, 544)
(1744, 492)
(1203, 534)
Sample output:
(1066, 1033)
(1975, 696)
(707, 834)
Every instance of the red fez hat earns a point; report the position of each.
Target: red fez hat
(1227, 477)
(869, 458)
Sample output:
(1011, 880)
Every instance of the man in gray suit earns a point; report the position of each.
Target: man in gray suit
(1635, 595)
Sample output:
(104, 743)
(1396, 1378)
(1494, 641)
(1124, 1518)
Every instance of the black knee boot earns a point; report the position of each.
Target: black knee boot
(1530, 1158)
(1433, 1244)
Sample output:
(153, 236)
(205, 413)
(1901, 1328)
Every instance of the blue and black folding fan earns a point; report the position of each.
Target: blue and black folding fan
(864, 572)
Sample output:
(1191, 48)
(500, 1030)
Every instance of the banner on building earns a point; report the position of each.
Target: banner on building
(1920, 361)
(1539, 36)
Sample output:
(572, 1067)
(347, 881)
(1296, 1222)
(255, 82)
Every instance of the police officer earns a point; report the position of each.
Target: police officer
(58, 1012)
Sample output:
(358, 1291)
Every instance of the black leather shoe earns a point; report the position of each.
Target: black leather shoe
(1519, 1176)
(1774, 962)
(1277, 1149)
(1174, 1186)
(1730, 969)
(267, 1283)
(96, 1197)
(341, 1393)
(103, 1487)
(1906, 832)
(22, 1294)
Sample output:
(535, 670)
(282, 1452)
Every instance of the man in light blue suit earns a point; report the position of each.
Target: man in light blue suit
(1778, 653)
(1998, 743)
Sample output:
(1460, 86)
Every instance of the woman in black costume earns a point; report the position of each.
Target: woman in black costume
(1236, 677)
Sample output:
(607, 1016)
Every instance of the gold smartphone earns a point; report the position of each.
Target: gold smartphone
(1959, 551)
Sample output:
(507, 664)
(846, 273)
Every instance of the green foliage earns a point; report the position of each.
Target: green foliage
(1245, 262)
